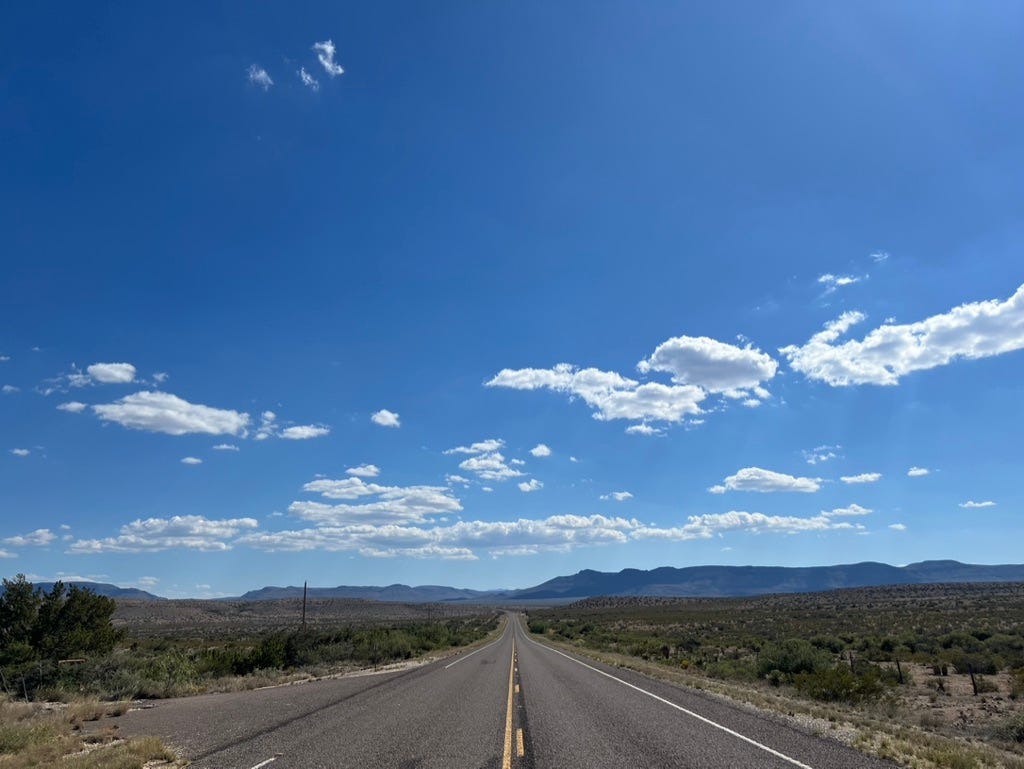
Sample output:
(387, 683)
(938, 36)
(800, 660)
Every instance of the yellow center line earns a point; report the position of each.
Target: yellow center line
(506, 759)
(520, 748)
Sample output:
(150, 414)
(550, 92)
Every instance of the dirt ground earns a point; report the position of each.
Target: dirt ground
(213, 619)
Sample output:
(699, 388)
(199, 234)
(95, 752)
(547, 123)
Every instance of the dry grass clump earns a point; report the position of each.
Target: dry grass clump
(37, 735)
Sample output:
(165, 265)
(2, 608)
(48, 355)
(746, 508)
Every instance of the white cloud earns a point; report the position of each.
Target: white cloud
(7, 554)
(618, 496)
(712, 524)
(574, 460)
(452, 478)
(259, 77)
(191, 461)
(488, 489)
(111, 373)
(879, 256)
(971, 331)
(147, 582)
(72, 407)
(160, 377)
(385, 418)
(21, 452)
(268, 426)
(897, 527)
(832, 282)
(189, 532)
(225, 447)
(304, 432)
(972, 505)
(760, 480)
(489, 467)
(308, 80)
(540, 450)
(821, 454)
(643, 429)
(10, 389)
(862, 478)
(462, 539)
(37, 538)
(853, 509)
(532, 485)
(917, 472)
(364, 471)
(4, 358)
(165, 413)
(409, 504)
(480, 447)
(714, 366)
(611, 395)
(325, 54)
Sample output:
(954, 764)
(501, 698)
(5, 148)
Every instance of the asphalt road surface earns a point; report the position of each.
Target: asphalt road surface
(514, 703)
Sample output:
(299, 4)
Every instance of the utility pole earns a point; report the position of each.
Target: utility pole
(304, 585)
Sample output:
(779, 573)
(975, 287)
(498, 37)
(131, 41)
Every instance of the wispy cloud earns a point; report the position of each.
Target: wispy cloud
(832, 282)
(9, 389)
(259, 77)
(889, 352)
(862, 478)
(225, 447)
(72, 407)
(308, 80)
(821, 454)
(618, 496)
(898, 526)
(325, 54)
(917, 472)
(972, 505)
(879, 256)
(191, 461)
(765, 481)
(21, 452)
(532, 485)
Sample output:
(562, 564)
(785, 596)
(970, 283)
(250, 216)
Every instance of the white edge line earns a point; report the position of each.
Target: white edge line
(264, 763)
(460, 659)
(698, 716)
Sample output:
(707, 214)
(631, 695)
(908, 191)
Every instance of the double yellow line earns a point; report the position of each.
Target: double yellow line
(506, 758)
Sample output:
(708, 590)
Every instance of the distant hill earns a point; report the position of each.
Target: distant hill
(393, 593)
(722, 581)
(110, 591)
(666, 582)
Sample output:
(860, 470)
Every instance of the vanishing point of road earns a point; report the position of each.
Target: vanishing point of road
(513, 704)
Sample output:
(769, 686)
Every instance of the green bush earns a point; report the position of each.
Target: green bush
(1011, 730)
(790, 658)
(840, 684)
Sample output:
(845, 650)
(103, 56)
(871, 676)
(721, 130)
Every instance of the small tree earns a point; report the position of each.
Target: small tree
(19, 606)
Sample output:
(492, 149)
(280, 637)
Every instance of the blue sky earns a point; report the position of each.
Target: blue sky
(483, 293)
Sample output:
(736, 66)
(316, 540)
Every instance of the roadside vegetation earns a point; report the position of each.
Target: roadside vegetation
(63, 646)
(48, 735)
(928, 675)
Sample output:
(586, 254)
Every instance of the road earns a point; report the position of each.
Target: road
(514, 703)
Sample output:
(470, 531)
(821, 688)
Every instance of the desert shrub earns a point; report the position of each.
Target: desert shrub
(1017, 684)
(790, 657)
(840, 684)
(982, 663)
(1011, 730)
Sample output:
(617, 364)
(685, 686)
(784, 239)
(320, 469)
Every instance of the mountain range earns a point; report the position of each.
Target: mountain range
(666, 581)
